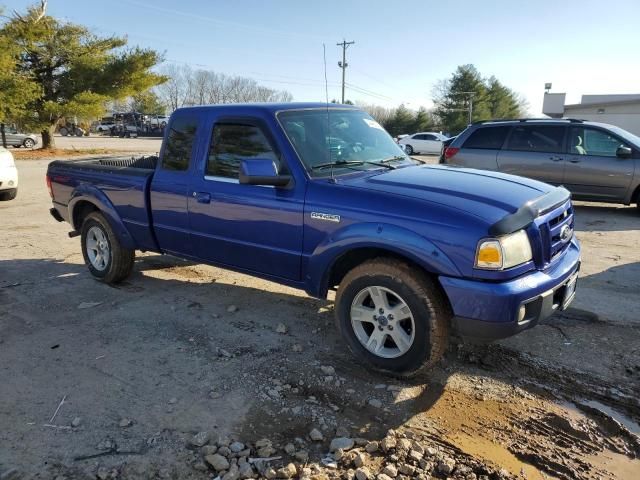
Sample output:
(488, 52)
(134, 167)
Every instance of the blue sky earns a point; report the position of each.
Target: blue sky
(402, 48)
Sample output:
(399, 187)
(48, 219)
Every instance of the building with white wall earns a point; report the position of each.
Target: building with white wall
(620, 110)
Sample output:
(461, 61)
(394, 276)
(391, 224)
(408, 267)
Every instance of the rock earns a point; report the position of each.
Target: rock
(200, 466)
(263, 442)
(359, 460)
(200, 439)
(244, 453)
(208, 450)
(316, 435)
(282, 328)
(246, 471)
(76, 422)
(374, 402)
(404, 445)
(217, 461)
(361, 442)
(288, 471)
(383, 476)
(232, 474)
(415, 455)
(107, 444)
(236, 447)
(296, 347)
(343, 443)
(371, 447)
(173, 401)
(125, 422)
(302, 456)
(102, 473)
(266, 452)
(223, 441)
(290, 448)
(270, 473)
(224, 451)
(446, 466)
(406, 469)
(388, 443)
(338, 454)
(431, 451)
(391, 470)
(329, 462)
(85, 305)
(417, 447)
(342, 432)
(328, 370)
(232, 309)
(363, 473)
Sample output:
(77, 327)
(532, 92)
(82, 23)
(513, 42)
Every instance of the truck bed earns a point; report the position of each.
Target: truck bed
(122, 183)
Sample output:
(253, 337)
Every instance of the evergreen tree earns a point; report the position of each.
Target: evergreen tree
(75, 71)
(422, 121)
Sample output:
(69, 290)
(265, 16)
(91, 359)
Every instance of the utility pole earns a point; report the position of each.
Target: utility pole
(343, 64)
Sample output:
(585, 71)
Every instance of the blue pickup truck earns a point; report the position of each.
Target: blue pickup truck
(321, 198)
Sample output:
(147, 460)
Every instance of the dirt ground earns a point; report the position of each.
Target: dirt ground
(181, 349)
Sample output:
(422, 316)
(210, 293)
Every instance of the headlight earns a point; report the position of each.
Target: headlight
(503, 252)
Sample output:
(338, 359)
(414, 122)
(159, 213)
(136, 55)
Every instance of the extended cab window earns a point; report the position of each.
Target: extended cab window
(231, 143)
(537, 138)
(489, 138)
(180, 144)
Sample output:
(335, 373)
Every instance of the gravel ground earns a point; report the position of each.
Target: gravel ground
(189, 371)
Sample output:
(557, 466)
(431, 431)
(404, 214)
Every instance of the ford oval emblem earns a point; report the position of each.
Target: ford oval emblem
(565, 233)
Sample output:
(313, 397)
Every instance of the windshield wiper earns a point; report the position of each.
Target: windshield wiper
(352, 163)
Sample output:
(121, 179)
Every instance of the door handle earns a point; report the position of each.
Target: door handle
(575, 160)
(556, 159)
(202, 197)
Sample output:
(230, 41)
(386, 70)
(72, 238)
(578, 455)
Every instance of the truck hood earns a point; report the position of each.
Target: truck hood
(487, 195)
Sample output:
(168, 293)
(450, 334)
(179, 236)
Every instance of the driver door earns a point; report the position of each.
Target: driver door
(248, 227)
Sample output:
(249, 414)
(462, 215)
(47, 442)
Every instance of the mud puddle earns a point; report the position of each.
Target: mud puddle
(534, 437)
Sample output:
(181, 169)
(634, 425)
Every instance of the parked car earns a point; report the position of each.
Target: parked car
(424, 142)
(103, 127)
(8, 175)
(445, 144)
(16, 138)
(594, 161)
(158, 120)
(413, 250)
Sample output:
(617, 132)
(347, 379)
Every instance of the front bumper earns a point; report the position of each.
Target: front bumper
(8, 178)
(497, 310)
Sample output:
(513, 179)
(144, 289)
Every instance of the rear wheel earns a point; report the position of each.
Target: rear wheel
(392, 317)
(408, 149)
(28, 143)
(107, 260)
(9, 194)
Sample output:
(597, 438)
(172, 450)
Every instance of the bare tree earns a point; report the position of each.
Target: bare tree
(201, 87)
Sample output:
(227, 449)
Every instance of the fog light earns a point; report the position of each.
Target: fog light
(521, 313)
(11, 183)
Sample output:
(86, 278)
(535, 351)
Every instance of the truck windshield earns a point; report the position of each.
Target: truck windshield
(341, 140)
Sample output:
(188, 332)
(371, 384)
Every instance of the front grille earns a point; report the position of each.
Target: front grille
(551, 226)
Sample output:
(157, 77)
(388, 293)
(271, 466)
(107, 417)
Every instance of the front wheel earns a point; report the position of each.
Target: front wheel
(408, 149)
(106, 258)
(28, 143)
(392, 317)
(9, 194)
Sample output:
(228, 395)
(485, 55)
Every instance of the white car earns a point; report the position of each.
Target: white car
(104, 127)
(158, 121)
(8, 175)
(423, 142)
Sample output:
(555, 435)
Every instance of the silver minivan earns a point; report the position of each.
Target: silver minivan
(595, 161)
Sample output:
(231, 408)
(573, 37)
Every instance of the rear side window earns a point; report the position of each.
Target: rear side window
(231, 143)
(489, 138)
(537, 138)
(180, 143)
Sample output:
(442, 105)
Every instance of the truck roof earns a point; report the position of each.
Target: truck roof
(269, 107)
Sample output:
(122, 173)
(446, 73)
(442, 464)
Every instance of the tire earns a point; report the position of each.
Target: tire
(64, 131)
(28, 143)
(99, 241)
(408, 149)
(427, 325)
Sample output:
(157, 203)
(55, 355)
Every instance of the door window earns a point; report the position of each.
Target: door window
(231, 143)
(419, 137)
(430, 137)
(591, 141)
(537, 138)
(180, 143)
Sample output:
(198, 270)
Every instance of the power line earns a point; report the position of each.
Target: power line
(343, 64)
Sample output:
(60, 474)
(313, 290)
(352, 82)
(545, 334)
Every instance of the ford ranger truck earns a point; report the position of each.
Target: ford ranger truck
(319, 197)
